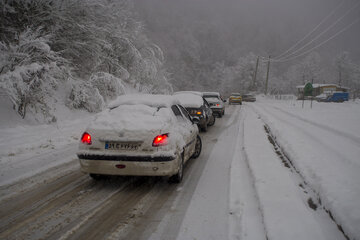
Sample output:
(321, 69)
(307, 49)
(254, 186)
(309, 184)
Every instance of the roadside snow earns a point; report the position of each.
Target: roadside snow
(323, 144)
(28, 150)
(286, 215)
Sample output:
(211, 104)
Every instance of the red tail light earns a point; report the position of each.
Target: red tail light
(217, 104)
(160, 140)
(86, 138)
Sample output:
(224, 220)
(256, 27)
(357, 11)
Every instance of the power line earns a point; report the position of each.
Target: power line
(321, 22)
(319, 45)
(323, 32)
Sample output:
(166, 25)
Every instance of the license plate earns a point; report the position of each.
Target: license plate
(122, 146)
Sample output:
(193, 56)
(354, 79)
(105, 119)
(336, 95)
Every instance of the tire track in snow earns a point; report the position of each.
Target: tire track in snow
(314, 137)
(244, 207)
(15, 210)
(48, 159)
(120, 209)
(33, 182)
(52, 217)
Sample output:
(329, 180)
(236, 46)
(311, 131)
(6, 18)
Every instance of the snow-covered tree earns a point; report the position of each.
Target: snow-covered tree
(31, 72)
(307, 70)
(348, 72)
(311, 68)
(45, 43)
(344, 68)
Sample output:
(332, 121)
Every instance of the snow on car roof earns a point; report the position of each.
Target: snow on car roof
(151, 100)
(205, 94)
(190, 92)
(189, 100)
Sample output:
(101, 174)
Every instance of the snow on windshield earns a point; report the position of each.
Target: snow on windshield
(134, 117)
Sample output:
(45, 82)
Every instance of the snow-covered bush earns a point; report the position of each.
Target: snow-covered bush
(31, 72)
(108, 86)
(43, 43)
(84, 96)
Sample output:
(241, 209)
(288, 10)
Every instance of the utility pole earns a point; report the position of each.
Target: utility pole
(267, 76)
(254, 77)
(339, 76)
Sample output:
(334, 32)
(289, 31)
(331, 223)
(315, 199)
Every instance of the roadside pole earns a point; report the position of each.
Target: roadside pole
(312, 82)
(308, 89)
(303, 100)
(267, 76)
(254, 77)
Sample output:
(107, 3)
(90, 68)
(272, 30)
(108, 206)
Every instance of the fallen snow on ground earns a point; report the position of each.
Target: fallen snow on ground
(26, 150)
(286, 215)
(324, 146)
(246, 191)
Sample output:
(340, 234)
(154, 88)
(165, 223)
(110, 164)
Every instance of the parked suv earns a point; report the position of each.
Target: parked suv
(216, 103)
(198, 107)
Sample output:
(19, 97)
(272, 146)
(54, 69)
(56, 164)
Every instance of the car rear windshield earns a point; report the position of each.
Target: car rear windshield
(211, 96)
(212, 99)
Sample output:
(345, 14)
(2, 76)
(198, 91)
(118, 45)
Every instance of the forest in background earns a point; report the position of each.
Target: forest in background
(213, 45)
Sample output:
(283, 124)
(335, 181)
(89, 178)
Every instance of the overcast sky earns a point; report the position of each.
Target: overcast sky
(274, 25)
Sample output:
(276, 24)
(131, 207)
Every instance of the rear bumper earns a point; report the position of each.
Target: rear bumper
(235, 100)
(130, 166)
(217, 110)
(202, 120)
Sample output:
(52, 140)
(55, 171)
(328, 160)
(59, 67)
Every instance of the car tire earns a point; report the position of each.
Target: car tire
(177, 178)
(198, 147)
(204, 128)
(212, 120)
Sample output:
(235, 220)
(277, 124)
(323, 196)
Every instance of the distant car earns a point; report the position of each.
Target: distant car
(216, 103)
(320, 98)
(140, 135)
(338, 97)
(235, 98)
(248, 98)
(198, 107)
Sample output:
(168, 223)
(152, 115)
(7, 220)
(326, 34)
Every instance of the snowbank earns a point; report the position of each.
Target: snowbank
(323, 144)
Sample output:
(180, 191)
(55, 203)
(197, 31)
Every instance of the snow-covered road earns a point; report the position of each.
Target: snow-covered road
(268, 170)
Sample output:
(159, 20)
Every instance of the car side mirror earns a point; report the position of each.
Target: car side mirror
(195, 120)
(224, 100)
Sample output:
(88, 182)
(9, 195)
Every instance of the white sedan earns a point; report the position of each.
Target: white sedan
(140, 135)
